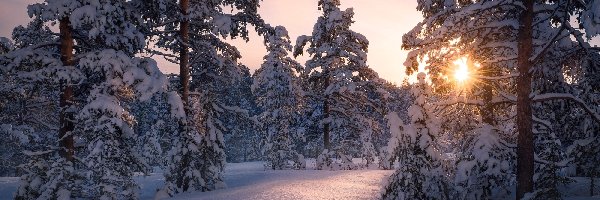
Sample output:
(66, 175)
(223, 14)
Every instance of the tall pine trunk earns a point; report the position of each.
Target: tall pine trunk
(326, 142)
(183, 181)
(525, 150)
(184, 71)
(66, 98)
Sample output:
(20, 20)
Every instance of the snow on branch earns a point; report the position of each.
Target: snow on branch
(506, 98)
(365, 101)
(578, 36)
(37, 153)
(546, 123)
(508, 76)
(459, 100)
(539, 55)
(559, 96)
(498, 59)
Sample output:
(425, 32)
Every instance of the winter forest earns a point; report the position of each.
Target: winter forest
(500, 100)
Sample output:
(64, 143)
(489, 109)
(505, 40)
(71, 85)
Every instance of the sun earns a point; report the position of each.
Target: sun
(461, 74)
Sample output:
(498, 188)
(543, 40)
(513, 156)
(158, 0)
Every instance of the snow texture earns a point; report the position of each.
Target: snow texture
(250, 181)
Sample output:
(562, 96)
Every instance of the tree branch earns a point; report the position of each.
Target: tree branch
(563, 96)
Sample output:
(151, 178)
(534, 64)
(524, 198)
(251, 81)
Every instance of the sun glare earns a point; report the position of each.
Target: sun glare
(461, 74)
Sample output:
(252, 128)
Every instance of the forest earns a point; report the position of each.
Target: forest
(505, 105)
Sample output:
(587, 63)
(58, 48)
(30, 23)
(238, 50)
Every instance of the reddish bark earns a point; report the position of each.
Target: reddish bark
(66, 98)
(525, 146)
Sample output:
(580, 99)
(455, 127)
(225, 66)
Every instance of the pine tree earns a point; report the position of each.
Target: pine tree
(584, 152)
(278, 94)
(191, 33)
(390, 154)
(107, 75)
(551, 159)
(397, 100)
(153, 125)
(335, 76)
(420, 175)
(33, 66)
(485, 169)
(243, 136)
(107, 126)
(5, 45)
(25, 103)
(499, 35)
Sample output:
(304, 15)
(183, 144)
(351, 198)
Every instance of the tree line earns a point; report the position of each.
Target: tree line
(86, 109)
(89, 109)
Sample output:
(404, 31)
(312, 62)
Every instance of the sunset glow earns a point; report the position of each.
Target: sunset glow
(461, 73)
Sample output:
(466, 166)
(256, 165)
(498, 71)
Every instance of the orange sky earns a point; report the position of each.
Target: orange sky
(383, 22)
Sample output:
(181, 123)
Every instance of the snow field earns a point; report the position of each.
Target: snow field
(250, 181)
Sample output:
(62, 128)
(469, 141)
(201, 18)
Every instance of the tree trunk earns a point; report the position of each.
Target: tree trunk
(487, 110)
(66, 98)
(184, 71)
(183, 181)
(326, 143)
(525, 150)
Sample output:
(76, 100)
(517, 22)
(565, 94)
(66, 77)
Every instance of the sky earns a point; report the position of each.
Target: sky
(383, 23)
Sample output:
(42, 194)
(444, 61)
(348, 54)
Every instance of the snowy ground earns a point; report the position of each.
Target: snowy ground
(251, 181)
(8, 185)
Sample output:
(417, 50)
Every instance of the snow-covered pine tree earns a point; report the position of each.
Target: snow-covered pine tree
(585, 153)
(484, 170)
(35, 72)
(499, 35)
(110, 154)
(153, 125)
(106, 123)
(114, 76)
(107, 73)
(279, 95)
(420, 174)
(397, 100)
(335, 75)
(392, 150)
(550, 159)
(243, 137)
(5, 45)
(24, 104)
(28, 108)
(190, 32)
(213, 76)
(472, 105)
